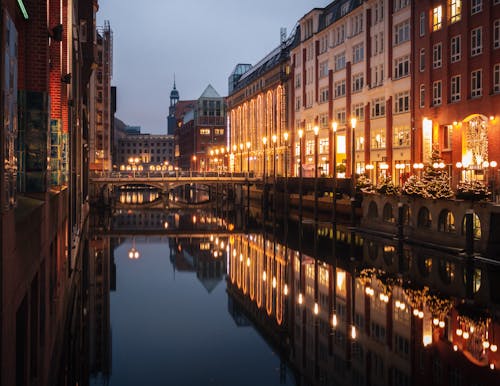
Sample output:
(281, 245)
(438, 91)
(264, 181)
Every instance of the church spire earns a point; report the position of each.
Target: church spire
(174, 95)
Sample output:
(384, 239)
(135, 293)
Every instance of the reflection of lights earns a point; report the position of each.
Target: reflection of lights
(216, 254)
(248, 262)
(194, 219)
(492, 366)
(264, 276)
(316, 309)
(300, 299)
(241, 257)
(334, 320)
(285, 290)
(234, 252)
(353, 331)
(455, 347)
(165, 225)
(427, 340)
(222, 244)
(274, 282)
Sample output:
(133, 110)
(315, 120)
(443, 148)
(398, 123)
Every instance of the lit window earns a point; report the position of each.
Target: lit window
(437, 18)
(204, 131)
(378, 139)
(476, 87)
(455, 10)
(401, 136)
(437, 93)
(455, 88)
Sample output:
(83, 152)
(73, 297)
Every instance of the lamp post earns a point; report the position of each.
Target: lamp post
(194, 162)
(334, 207)
(285, 136)
(248, 158)
(301, 134)
(134, 162)
(316, 132)
(264, 142)
(274, 139)
(353, 171)
(493, 165)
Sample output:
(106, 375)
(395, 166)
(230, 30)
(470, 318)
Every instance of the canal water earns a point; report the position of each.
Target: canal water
(204, 297)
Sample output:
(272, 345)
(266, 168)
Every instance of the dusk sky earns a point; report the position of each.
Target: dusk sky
(200, 41)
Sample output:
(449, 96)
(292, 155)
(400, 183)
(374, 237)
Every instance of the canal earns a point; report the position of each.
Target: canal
(205, 296)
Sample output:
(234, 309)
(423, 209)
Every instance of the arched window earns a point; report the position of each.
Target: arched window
(388, 216)
(476, 279)
(424, 218)
(446, 221)
(476, 226)
(372, 210)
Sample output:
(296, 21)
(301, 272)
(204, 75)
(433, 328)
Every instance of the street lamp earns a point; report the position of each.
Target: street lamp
(316, 132)
(285, 136)
(301, 134)
(241, 157)
(194, 162)
(248, 158)
(353, 155)
(264, 141)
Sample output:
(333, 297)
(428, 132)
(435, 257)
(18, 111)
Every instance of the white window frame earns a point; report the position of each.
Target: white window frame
(456, 48)
(476, 83)
(358, 82)
(402, 67)
(496, 34)
(340, 89)
(476, 6)
(422, 24)
(358, 53)
(437, 93)
(496, 78)
(437, 55)
(421, 60)
(437, 18)
(455, 10)
(402, 32)
(402, 102)
(378, 107)
(455, 88)
(421, 96)
(476, 41)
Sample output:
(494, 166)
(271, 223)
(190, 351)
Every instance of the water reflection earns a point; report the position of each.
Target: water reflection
(376, 311)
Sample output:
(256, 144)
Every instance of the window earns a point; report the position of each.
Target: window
(219, 131)
(323, 44)
(379, 11)
(496, 33)
(400, 4)
(476, 43)
(402, 102)
(340, 116)
(476, 86)
(455, 48)
(357, 24)
(437, 93)
(401, 67)
(455, 10)
(422, 24)
(378, 75)
(339, 61)
(437, 55)
(422, 96)
(447, 135)
(402, 32)
(401, 136)
(496, 78)
(378, 138)
(476, 6)
(323, 95)
(298, 80)
(455, 88)
(357, 53)
(324, 143)
(204, 131)
(323, 121)
(421, 63)
(358, 111)
(339, 35)
(378, 107)
(437, 18)
(297, 103)
(340, 88)
(323, 69)
(357, 82)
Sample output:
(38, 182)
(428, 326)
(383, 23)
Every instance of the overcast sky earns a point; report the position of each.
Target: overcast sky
(199, 40)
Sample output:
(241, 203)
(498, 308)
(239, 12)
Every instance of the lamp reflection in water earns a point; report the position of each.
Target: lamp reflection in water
(133, 253)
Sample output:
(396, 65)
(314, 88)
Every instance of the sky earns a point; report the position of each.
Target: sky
(200, 41)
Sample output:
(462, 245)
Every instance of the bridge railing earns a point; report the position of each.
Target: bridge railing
(167, 174)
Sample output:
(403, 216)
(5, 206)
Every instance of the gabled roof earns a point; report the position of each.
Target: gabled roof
(210, 93)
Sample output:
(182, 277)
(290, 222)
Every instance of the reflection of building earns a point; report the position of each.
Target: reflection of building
(396, 317)
(101, 275)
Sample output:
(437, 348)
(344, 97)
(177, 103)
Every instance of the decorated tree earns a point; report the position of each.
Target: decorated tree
(364, 184)
(414, 187)
(386, 186)
(472, 190)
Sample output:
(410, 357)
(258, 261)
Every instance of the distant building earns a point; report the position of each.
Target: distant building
(150, 150)
(203, 129)
(171, 119)
(101, 117)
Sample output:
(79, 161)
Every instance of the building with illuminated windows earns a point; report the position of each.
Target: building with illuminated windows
(456, 85)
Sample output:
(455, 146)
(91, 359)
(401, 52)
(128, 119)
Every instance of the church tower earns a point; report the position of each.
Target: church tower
(171, 121)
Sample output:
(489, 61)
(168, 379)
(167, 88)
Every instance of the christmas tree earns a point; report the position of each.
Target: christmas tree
(386, 186)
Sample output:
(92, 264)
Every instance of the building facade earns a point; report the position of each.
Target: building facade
(457, 85)
(149, 151)
(259, 114)
(102, 113)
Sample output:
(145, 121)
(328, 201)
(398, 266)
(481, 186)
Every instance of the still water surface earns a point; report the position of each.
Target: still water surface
(170, 327)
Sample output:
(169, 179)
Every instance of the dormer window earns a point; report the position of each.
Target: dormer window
(308, 28)
(344, 9)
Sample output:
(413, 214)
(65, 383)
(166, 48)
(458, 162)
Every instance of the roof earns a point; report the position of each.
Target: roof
(210, 93)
